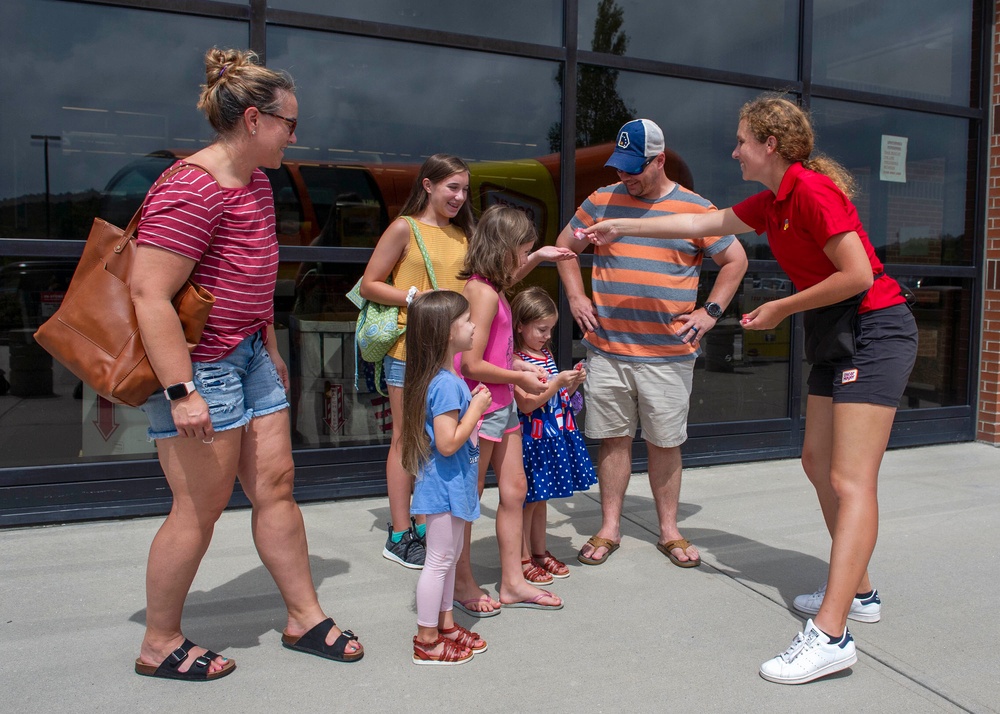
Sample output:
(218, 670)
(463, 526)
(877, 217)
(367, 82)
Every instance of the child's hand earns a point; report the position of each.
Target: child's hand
(481, 398)
(567, 378)
(555, 253)
(530, 382)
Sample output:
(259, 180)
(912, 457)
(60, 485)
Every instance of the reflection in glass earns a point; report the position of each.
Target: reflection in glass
(368, 121)
(750, 36)
(915, 213)
(907, 48)
(742, 375)
(538, 21)
(104, 111)
(699, 128)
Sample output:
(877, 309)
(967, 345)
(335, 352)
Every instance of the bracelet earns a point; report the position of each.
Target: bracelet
(410, 294)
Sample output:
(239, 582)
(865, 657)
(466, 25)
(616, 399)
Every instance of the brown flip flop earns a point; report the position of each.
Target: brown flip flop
(598, 542)
(683, 544)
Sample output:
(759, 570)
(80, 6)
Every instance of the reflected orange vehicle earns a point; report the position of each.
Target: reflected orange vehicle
(351, 204)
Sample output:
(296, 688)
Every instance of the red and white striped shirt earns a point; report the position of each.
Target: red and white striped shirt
(230, 232)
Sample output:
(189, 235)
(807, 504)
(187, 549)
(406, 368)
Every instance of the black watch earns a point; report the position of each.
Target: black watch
(178, 391)
(713, 310)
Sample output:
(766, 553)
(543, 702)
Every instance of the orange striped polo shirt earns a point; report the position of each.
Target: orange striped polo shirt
(640, 285)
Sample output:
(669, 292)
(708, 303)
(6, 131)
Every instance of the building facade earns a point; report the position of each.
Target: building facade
(101, 98)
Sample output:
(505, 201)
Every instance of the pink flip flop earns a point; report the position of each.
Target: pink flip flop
(534, 603)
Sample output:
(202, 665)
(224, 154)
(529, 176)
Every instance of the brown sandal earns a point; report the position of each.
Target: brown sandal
(596, 542)
(682, 544)
(552, 565)
(451, 653)
(535, 574)
(465, 638)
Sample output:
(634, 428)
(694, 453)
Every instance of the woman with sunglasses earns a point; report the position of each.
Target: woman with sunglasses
(224, 412)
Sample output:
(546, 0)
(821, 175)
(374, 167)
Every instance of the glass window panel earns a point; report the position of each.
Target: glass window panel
(749, 36)
(914, 205)
(107, 85)
(907, 48)
(370, 114)
(698, 120)
(538, 21)
(742, 375)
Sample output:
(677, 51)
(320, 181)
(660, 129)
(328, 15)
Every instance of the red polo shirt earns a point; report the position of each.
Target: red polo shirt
(808, 210)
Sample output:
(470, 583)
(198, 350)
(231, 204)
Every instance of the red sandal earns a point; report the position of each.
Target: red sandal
(463, 637)
(451, 653)
(534, 574)
(552, 565)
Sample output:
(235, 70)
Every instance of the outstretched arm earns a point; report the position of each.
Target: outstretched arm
(554, 253)
(677, 225)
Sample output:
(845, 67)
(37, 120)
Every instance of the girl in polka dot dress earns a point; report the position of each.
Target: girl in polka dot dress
(555, 458)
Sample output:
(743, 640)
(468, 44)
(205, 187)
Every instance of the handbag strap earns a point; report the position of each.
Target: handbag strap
(133, 224)
(423, 251)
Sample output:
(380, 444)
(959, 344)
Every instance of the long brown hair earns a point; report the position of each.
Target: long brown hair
(436, 169)
(530, 304)
(428, 333)
(493, 247)
(777, 116)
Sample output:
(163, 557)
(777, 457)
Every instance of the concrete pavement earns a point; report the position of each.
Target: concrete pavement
(637, 633)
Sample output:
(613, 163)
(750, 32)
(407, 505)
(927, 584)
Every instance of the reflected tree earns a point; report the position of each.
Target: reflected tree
(600, 110)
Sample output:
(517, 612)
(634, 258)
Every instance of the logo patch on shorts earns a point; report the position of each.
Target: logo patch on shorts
(849, 375)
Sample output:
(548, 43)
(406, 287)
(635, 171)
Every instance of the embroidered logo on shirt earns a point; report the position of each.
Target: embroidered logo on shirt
(849, 375)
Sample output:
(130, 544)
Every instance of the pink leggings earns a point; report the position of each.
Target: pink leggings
(436, 586)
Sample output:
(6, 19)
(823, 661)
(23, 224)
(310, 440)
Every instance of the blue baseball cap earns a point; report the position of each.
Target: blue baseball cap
(638, 141)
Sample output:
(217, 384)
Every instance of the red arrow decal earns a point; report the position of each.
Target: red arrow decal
(105, 421)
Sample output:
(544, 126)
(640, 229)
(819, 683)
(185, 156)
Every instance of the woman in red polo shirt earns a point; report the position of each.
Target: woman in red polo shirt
(817, 238)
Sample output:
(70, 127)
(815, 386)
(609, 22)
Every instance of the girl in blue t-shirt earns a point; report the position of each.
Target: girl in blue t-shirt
(439, 446)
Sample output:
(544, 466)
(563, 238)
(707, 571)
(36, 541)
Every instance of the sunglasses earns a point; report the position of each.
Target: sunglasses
(292, 123)
(642, 168)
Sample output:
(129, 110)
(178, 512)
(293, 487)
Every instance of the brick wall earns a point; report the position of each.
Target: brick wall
(988, 422)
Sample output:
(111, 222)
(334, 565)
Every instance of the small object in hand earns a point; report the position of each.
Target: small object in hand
(745, 319)
(578, 366)
(579, 234)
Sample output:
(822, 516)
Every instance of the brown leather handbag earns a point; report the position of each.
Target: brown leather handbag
(94, 333)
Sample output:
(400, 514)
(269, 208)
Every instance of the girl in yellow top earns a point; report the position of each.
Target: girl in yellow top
(438, 202)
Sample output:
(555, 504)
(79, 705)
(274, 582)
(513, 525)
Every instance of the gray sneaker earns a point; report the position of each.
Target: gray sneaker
(867, 610)
(408, 552)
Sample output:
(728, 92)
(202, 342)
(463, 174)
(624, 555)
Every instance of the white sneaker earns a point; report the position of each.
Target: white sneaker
(867, 610)
(809, 657)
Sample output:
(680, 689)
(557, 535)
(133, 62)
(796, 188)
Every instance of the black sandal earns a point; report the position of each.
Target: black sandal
(314, 643)
(198, 672)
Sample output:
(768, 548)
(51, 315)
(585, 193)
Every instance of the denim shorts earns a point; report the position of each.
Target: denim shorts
(394, 370)
(242, 385)
(879, 371)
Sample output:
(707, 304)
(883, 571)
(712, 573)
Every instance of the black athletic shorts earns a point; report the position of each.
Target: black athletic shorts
(878, 372)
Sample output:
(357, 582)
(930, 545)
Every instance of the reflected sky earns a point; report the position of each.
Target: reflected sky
(538, 21)
(750, 36)
(112, 83)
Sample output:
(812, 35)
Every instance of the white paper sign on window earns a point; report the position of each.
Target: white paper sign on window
(893, 166)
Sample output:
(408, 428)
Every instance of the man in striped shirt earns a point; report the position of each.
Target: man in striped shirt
(643, 331)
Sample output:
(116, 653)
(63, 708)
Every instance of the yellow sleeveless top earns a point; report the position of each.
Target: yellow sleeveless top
(446, 247)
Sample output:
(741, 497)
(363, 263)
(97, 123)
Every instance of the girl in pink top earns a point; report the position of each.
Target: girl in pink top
(498, 257)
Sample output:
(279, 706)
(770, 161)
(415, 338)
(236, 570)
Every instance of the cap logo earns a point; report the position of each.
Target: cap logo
(623, 141)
